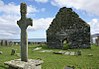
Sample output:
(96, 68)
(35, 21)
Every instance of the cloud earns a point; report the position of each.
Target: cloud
(11, 8)
(9, 14)
(86, 5)
(8, 26)
(94, 24)
(42, 1)
(42, 23)
(39, 27)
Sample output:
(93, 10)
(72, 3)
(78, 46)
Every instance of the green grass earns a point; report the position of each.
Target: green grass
(56, 61)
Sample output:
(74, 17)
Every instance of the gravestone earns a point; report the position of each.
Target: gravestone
(78, 53)
(0, 42)
(69, 67)
(13, 51)
(4, 43)
(90, 55)
(72, 53)
(22, 63)
(97, 41)
(1, 52)
(67, 53)
(68, 26)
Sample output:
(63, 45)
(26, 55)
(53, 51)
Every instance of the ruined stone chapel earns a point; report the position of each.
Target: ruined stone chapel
(67, 25)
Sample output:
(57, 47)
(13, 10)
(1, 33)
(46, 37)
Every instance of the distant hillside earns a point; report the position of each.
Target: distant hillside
(95, 35)
(29, 40)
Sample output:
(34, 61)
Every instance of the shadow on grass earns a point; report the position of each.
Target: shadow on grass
(3, 67)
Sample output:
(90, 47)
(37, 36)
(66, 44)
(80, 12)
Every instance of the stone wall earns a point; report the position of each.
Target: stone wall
(67, 25)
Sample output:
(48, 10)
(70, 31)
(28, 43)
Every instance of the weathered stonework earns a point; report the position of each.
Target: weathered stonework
(67, 25)
(97, 41)
(23, 23)
(18, 64)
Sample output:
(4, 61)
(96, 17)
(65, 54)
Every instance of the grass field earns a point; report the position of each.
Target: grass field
(55, 61)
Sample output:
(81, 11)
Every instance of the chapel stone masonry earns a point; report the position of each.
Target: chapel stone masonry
(67, 25)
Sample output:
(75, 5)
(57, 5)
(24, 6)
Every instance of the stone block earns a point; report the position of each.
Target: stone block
(18, 64)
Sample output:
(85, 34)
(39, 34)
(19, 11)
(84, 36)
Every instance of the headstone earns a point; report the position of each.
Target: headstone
(13, 52)
(67, 53)
(61, 52)
(90, 55)
(78, 53)
(97, 41)
(69, 67)
(46, 51)
(1, 52)
(4, 43)
(23, 23)
(16, 43)
(38, 48)
(72, 53)
(0, 42)
(57, 53)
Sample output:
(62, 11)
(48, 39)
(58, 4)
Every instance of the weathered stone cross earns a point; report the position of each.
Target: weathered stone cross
(23, 23)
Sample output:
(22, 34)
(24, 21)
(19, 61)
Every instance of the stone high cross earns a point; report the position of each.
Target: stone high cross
(23, 23)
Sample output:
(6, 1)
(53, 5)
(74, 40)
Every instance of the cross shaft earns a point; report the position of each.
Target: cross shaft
(23, 23)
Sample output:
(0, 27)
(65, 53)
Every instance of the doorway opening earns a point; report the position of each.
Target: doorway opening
(65, 44)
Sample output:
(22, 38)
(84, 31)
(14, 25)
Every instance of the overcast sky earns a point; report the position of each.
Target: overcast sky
(42, 12)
